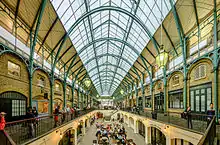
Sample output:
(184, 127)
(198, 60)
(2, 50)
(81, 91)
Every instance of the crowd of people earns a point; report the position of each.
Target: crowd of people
(32, 118)
(114, 133)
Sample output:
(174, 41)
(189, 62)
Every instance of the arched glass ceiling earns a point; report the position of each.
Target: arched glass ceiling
(107, 24)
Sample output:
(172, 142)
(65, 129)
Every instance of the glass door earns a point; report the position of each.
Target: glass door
(200, 98)
(159, 102)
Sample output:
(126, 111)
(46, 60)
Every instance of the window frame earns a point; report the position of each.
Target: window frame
(175, 92)
(199, 68)
(19, 74)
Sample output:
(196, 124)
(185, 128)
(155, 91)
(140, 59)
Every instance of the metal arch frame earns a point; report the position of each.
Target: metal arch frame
(112, 39)
(107, 82)
(108, 64)
(32, 46)
(91, 33)
(108, 71)
(112, 22)
(95, 41)
(126, 37)
(183, 47)
(106, 79)
(96, 83)
(113, 55)
(103, 8)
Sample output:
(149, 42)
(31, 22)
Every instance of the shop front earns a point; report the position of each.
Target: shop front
(41, 104)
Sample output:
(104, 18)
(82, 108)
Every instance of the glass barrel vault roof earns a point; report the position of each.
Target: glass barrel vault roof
(100, 38)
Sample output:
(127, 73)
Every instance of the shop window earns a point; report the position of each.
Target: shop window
(148, 101)
(41, 81)
(14, 69)
(42, 106)
(18, 107)
(176, 100)
(175, 80)
(200, 72)
(57, 87)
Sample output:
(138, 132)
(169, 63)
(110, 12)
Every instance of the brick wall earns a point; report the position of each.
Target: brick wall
(13, 83)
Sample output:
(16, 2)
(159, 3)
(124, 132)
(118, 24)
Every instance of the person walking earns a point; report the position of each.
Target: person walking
(189, 117)
(30, 122)
(210, 113)
(56, 116)
(2, 121)
(72, 113)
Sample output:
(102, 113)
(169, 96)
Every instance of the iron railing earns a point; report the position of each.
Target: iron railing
(5, 139)
(25, 130)
(210, 134)
(197, 122)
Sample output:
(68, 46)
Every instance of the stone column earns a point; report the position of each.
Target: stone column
(129, 122)
(88, 122)
(75, 136)
(147, 135)
(135, 126)
(168, 140)
(84, 127)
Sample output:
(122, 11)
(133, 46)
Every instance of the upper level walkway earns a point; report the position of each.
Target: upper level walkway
(172, 126)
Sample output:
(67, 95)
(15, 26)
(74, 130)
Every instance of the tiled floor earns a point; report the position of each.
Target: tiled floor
(88, 138)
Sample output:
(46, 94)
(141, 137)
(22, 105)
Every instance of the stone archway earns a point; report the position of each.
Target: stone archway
(157, 136)
(14, 104)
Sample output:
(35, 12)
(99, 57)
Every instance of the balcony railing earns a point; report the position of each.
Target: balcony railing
(197, 122)
(210, 134)
(25, 130)
(5, 139)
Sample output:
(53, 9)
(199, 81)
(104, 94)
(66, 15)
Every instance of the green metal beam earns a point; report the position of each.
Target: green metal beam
(183, 47)
(65, 52)
(125, 38)
(32, 48)
(104, 71)
(91, 33)
(171, 42)
(107, 8)
(107, 64)
(47, 34)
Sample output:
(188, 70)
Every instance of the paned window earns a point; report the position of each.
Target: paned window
(14, 69)
(200, 98)
(176, 100)
(175, 80)
(18, 107)
(200, 72)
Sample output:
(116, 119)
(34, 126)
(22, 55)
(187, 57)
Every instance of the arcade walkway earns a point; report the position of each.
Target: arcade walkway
(88, 138)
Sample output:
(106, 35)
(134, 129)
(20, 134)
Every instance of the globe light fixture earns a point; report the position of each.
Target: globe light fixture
(113, 98)
(87, 82)
(97, 96)
(122, 91)
(162, 58)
